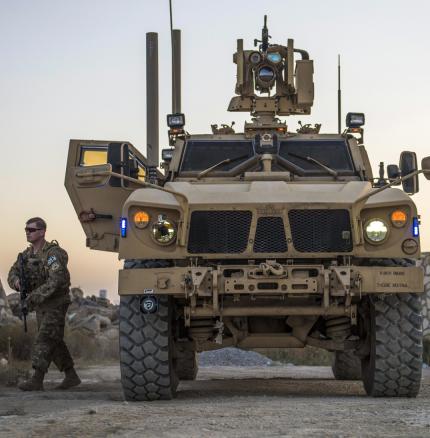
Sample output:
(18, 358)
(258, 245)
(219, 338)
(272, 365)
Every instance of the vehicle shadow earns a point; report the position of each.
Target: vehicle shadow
(275, 387)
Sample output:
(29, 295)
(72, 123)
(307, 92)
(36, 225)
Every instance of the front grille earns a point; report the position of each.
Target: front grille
(224, 231)
(270, 235)
(320, 230)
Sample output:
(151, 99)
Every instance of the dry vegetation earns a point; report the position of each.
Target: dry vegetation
(85, 349)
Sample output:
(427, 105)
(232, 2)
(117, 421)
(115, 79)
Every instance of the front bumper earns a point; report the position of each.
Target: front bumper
(289, 280)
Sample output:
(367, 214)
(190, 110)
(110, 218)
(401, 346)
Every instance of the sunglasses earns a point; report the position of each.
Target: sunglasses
(31, 230)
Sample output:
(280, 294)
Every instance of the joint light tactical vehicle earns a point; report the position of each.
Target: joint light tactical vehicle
(264, 238)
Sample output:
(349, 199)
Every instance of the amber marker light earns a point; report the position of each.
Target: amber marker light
(399, 218)
(141, 219)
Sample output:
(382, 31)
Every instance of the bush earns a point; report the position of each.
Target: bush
(20, 341)
(89, 348)
(82, 345)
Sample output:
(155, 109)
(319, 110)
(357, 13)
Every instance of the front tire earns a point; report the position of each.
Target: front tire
(393, 367)
(146, 350)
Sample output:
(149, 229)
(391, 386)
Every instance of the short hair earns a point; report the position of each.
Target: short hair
(40, 223)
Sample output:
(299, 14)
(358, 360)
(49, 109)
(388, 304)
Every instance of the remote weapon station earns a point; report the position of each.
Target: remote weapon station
(263, 238)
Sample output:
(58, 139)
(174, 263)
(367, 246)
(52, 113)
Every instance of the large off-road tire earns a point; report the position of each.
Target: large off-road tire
(186, 361)
(346, 366)
(146, 350)
(393, 367)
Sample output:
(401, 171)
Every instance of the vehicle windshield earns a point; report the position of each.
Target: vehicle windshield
(203, 154)
(302, 156)
(332, 153)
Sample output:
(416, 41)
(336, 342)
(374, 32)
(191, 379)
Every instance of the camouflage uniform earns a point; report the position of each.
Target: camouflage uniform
(48, 282)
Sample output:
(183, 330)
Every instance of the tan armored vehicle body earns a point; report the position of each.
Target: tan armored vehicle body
(266, 238)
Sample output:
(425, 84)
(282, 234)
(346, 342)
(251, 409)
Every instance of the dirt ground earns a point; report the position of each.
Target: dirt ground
(271, 401)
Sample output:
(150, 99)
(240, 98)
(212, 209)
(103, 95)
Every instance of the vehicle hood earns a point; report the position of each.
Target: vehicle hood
(269, 192)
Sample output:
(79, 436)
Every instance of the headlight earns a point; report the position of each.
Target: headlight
(163, 231)
(141, 219)
(376, 230)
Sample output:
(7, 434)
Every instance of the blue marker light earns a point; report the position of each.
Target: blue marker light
(415, 227)
(123, 227)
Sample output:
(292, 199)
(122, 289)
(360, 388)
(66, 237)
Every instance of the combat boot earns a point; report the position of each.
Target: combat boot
(35, 383)
(70, 380)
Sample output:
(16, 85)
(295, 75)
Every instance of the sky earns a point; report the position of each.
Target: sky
(77, 70)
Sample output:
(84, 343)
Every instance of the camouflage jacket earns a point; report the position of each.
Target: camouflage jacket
(47, 276)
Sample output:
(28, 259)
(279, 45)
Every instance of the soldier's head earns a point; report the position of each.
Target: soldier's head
(35, 229)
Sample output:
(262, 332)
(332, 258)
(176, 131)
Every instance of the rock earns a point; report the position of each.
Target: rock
(6, 315)
(233, 357)
(14, 302)
(76, 293)
(112, 333)
(93, 324)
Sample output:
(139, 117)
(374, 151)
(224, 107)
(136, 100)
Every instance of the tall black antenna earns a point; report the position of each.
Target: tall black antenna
(339, 98)
(175, 41)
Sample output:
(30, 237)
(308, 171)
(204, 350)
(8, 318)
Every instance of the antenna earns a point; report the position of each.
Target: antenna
(339, 98)
(175, 39)
(152, 109)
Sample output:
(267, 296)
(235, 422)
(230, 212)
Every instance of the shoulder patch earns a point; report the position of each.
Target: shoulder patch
(51, 259)
(55, 266)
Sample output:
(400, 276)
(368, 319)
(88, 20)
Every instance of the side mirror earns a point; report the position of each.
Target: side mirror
(408, 164)
(393, 172)
(425, 166)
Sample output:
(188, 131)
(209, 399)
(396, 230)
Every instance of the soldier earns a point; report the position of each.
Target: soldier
(48, 281)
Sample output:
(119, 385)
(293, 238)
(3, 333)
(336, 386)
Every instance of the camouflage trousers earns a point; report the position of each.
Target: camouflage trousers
(49, 345)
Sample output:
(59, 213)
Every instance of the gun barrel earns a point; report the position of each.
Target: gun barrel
(265, 36)
(23, 290)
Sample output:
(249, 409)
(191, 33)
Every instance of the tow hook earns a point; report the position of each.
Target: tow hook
(149, 304)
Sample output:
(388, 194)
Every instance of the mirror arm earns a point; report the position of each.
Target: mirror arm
(392, 183)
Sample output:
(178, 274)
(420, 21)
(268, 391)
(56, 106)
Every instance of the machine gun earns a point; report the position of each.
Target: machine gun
(23, 290)
(264, 37)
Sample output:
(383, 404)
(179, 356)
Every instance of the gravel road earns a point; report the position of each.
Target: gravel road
(225, 401)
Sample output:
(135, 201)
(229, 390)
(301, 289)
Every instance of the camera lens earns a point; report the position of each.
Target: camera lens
(266, 74)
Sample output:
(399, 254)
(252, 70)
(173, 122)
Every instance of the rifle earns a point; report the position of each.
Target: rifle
(23, 290)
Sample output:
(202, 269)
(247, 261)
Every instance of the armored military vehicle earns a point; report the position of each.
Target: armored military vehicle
(271, 237)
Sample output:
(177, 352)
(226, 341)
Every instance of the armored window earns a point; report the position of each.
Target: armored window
(93, 155)
(202, 154)
(332, 153)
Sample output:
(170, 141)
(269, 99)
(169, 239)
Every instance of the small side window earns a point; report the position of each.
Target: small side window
(93, 156)
(141, 174)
